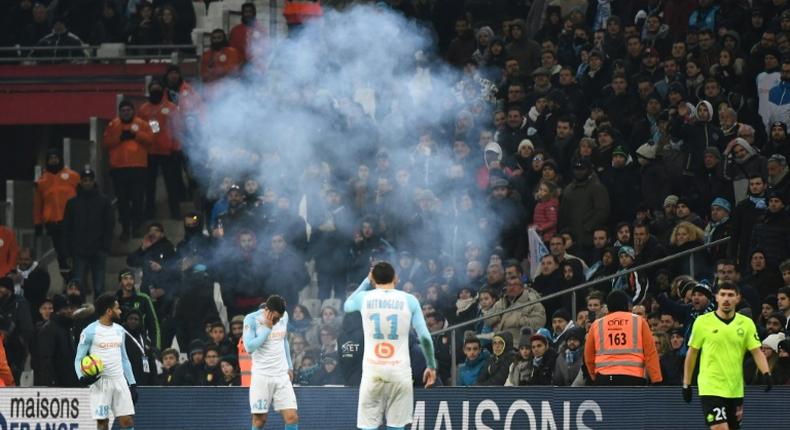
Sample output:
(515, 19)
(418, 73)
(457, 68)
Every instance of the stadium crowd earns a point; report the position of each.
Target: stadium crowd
(620, 131)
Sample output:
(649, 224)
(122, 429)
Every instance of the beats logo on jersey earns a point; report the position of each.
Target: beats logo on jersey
(384, 350)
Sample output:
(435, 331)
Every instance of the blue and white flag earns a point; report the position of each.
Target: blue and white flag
(537, 249)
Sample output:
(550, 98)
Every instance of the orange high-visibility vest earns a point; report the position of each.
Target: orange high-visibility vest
(296, 12)
(245, 365)
(619, 341)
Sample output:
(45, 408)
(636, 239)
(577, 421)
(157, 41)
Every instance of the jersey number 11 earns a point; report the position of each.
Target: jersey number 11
(393, 320)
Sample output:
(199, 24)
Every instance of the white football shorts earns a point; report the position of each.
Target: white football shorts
(268, 390)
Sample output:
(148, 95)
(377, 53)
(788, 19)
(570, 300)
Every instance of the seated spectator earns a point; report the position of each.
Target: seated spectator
(230, 374)
(301, 323)
(307, 368)
(110, 27)
(212, 373)
(169, 367)
(781, 372)
(516, 293)
(561, 324)
(143, 28)
(155, 257)
(191, 372)
(328, 373)
(496, 370)
(475, 358)
(635, 284)
(37, 28)
(569, 362)
(770, 348)
(219, 340)
(686, 236)
(533, 367)
(171, 29)
(220, 59)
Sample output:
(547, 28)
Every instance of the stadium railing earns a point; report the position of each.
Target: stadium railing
(572, 291)
(113, 52)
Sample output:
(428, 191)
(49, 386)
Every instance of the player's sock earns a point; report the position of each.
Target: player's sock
(291, 427)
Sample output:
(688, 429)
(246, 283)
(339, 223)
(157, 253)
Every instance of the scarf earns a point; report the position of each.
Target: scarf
(536, 361)
(571, 356)
(25, 274)
(711, 228)
(759, 202)
(463, 304)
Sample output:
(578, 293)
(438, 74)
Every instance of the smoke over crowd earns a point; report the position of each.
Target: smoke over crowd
(351, 124)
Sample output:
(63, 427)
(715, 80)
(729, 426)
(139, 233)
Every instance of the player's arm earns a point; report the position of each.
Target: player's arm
(252, 342)
(760, 360)
(418, 322)
(125, 363)
(689, 365)
(83, 347)
(354, 302)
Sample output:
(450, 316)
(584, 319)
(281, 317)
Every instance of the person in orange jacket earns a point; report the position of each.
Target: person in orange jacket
(6, 376)
(127, 139)
(159, 114)
(54, 188)
(247, 34)
(298, 12)
(220, 60)
(9, 250)
(620, 348)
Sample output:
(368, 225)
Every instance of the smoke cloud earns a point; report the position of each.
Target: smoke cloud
(316, 106)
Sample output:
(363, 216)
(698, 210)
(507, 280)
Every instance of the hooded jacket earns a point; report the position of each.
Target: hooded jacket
(697, 135)
(470, 370)
(53, 190)
(584, 206)
(532, 316)
(779, 102)
(743, 168)
(497, 367)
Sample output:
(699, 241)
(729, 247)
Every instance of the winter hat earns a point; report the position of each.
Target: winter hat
(778, 158)
(779, 124)
(125, 102)
(704, 289)
(617, 300)
(779, 317)
(541, 71)
(619, 150)
(575, 333)
(196, 346)
(539, 337)
(561, 313)
(712, 150)
(524, 340)
(125, 272)
(722, 203)
(774, 194)
(526, 143)
(485, 30)
(626, 250)
(677, 87)
(597, 53)
(671, 200)
(683, 201)
(772, 341)
(497, 182)
(647, 151)
(771, 301)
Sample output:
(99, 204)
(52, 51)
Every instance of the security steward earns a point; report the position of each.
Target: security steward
(620, 349)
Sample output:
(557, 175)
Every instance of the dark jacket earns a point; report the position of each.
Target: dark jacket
(285, 275)
(53, 354)
(743, 218)
(584, 206)
(771, 234)
(351, 347)
(88, 224)
(469, 370)
(189, 374)
(672, 367)
(168, 376)
(623, 185)
(696, 137)
(141, 302)
(20, 335)
(497, 367)
(161, 252)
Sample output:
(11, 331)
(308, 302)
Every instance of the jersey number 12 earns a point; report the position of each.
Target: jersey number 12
(377, 334)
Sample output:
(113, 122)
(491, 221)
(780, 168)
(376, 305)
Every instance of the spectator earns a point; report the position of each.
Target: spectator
(195, 247)
(9, 250)
(212, 373)
(584, 204)
(561, 324)
(30, 280)
(327, 373)
(160, 115)
(569, 362)
(763, 278)
(248, 36)
(127, 139)
(129, 298)
(88, 225)
(686, 236)
(774, 323)
(476, 358)
(52, 355)
(19, 334)
(783, 304)
(547, 210)
(155, 257)
(172, 29)
(178, 91)
(169, 367)
(220, 59)
(496, 369)
(771, 233)
(743, 161)
(290, 276)
(634, 284)
(39, 26)
(778, 144)
(144, 27)
(744, 217)
(719, 227)
(139, 349)
(230, 375)
(540, 362)
(53, 189)
(686, 314)
(778, 101)
(219, 341)
(192, 371)
(517, 294)
(62, 42)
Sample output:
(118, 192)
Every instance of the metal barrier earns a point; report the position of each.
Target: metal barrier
(96, 53)
(572, 290)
